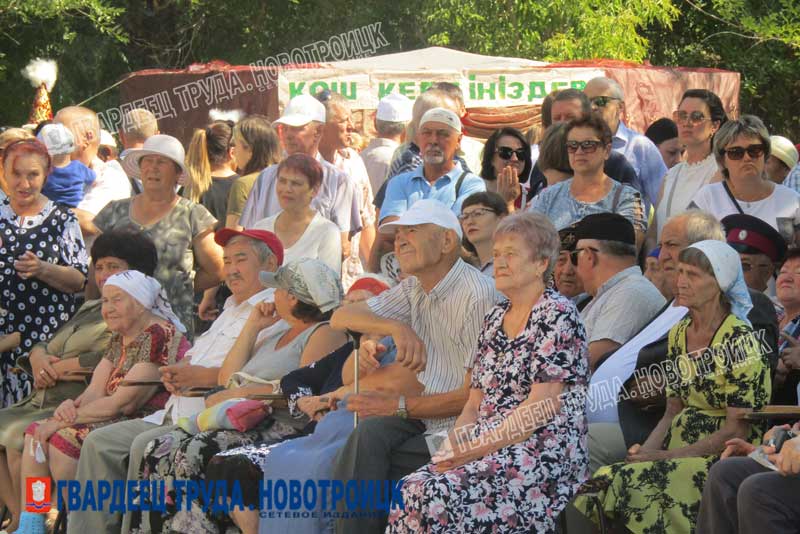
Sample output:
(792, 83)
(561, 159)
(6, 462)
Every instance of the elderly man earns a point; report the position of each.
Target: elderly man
(760, 247)
(137, 126)
(391, 120)
(570, 104)
(300, 129)
(608, 100)
(334, 147)
(565, 277)
(107, 451)
(434, 316)
(623, 299)
(111, 182)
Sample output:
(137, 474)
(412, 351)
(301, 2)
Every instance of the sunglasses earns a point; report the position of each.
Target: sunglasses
(573, 256)
(588, 147)
(694, 118)
(602, 101)
(737, 153)
(505, 152)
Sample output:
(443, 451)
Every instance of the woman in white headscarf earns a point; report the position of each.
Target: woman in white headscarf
(146, 334)
(715, 372)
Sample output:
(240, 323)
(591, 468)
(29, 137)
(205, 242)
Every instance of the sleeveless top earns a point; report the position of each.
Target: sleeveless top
(269, 363)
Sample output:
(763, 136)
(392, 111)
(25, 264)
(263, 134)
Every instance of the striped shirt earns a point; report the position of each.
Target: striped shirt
(448, 320)
(338, 199)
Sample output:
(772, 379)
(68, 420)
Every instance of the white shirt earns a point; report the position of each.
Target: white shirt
(681, 184)
(378, 158)
(209, 350)
(320, 240)
(111, 184)
(782, 203)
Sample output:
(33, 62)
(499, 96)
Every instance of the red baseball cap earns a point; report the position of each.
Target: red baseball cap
(223, 235)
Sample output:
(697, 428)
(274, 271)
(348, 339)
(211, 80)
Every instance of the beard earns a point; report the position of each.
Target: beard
(433, 156)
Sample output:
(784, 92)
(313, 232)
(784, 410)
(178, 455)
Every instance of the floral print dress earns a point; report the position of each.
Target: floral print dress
(522, 487)
(664, 495)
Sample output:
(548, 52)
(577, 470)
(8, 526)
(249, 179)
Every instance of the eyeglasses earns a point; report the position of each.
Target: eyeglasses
(694, 118)
(602, 101)
(573, 256)
(505, 152)
(736, 153)
(476, 213)
(588, 147)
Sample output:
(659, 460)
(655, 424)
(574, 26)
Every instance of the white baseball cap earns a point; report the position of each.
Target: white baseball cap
(58, 139)
(301, 110)
(426, 211)
(394, 108)
(784, 150)
(441, 115)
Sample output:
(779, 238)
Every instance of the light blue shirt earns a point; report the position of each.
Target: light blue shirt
(646, 160)
(792, 180)
(405, 189)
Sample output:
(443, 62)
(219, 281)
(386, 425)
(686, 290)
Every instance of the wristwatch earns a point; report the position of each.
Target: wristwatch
(401, 408)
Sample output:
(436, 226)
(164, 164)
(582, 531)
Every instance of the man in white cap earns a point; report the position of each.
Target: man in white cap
(782, 159)
(439, 177)
(391, 120)
(300, 129)
(434, 316)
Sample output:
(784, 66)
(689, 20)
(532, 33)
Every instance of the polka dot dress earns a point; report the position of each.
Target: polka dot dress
(32, 307)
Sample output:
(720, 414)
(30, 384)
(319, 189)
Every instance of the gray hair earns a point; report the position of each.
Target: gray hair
(746, 125)
(616, 88)
(701, 225)
(540, 234)
(617, 249)
(263, 252)
(389, 128)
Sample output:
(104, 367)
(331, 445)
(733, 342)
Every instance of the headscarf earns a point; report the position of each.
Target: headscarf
(727, 269)
(148, 292)
(310, 281)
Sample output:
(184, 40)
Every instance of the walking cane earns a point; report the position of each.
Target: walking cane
(356, 337)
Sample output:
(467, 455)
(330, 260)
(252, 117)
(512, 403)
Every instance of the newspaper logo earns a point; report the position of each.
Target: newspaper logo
(37, 494)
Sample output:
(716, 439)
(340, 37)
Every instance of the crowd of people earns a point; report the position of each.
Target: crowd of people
(569, 333)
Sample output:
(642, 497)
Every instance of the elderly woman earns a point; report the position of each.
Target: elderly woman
(78, 344)
(188, 258)
(44, 262)
(304, 232)
(719, 374)
(519, 446)
(590, 190)
(277, 338)
(146, 335)
(506, 162)
(787, 289)
(255, 147)
(742, 148)
(480, 214)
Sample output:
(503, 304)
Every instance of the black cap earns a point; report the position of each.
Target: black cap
(751, 235)
(606, 227)
(568, 237)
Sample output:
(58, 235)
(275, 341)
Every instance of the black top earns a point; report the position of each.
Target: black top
(216, 198)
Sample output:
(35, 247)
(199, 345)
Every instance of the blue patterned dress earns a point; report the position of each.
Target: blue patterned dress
(522, 487)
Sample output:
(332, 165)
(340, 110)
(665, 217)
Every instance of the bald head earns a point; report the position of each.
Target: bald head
(85, 126)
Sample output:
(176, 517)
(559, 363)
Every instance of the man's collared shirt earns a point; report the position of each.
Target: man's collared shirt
(338, 199)
(210, 349)
(621, 307)
(792, 180)
(448, 320)
(645, 158)
(405, 189)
